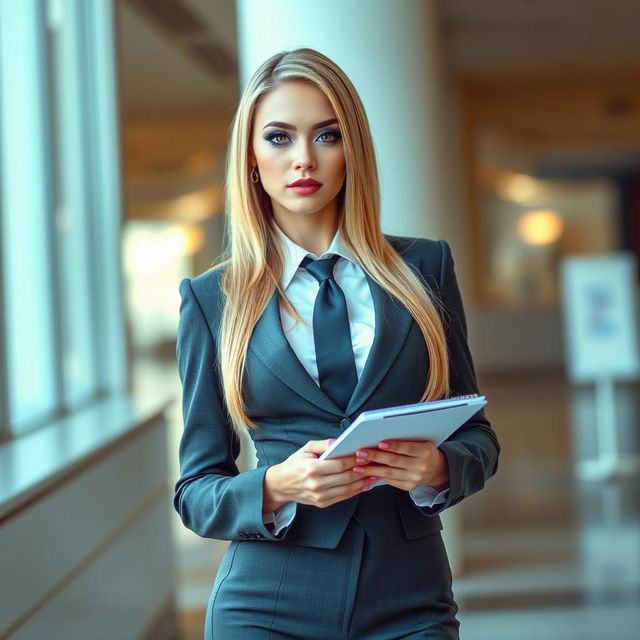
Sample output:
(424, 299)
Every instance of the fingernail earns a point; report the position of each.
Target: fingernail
(373, 479)
(362, 454)
(383, 445)
(361, 460)
(358, 469)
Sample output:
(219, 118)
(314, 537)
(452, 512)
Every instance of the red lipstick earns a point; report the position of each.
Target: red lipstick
(305, 186)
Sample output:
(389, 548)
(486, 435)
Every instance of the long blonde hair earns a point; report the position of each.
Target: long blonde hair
(252, 260)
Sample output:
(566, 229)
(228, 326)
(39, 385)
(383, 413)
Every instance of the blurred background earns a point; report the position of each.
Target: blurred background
(511, 128)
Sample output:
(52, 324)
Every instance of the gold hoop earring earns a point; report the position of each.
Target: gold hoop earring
(254, 175)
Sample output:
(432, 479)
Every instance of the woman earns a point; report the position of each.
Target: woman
(314, 316)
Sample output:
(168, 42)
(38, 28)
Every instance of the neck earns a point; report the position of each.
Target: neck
(312, 232)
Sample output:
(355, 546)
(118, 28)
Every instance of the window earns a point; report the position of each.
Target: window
(61, 305)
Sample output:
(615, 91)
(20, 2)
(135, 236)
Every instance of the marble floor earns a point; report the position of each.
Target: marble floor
(543, 554)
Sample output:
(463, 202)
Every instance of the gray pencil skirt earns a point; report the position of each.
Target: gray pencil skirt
(375, 585)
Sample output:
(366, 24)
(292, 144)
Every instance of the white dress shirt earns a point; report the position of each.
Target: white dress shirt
(301, 289)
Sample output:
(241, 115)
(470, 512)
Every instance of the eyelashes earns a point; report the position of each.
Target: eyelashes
(273, 136)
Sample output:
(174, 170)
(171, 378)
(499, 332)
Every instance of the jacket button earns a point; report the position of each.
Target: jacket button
(344, 423)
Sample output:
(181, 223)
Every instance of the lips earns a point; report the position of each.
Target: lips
(306, 182)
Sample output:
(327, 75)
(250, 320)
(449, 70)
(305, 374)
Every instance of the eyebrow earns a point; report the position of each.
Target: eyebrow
(284, 125)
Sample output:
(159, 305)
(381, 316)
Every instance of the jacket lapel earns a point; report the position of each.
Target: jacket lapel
(271, 346)
(392, 325)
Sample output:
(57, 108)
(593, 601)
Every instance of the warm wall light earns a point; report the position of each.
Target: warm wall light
(195, 207)
(151, 250)
(516, 187)
(192, 238)
(540, 227)
(181, 239)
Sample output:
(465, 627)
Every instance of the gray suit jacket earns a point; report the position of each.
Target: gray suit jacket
(216, 501)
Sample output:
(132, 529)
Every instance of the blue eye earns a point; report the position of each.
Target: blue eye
(273, 136)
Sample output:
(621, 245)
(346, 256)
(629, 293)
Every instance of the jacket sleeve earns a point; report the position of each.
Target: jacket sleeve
(472, 450)
(212, 497)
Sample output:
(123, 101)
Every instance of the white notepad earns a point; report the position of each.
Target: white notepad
(434, 421)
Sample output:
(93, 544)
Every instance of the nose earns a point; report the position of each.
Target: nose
(304, 158)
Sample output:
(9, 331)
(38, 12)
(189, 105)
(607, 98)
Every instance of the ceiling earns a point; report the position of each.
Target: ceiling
(515, 35)
(178, 55)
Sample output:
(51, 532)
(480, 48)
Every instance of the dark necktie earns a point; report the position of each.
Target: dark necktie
(331, 333)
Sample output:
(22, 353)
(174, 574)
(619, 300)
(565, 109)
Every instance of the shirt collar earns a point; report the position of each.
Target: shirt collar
(293, 254)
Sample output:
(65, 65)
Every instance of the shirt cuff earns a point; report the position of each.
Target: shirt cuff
(425, 496)
(281, 518)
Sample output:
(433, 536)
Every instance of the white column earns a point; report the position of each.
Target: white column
(390, 50)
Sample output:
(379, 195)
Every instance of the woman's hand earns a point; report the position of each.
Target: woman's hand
(305, 479)
(406, 464)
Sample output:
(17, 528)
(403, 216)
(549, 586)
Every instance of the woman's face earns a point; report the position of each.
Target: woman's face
(296, 136)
